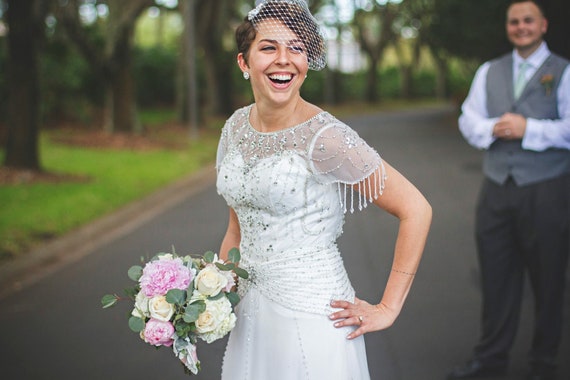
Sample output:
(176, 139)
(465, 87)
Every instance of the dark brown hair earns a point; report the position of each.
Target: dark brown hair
(535, 2)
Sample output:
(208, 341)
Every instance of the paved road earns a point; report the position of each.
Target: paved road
(54, 328)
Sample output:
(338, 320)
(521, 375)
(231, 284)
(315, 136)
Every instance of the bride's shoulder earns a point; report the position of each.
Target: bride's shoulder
(330, 130)
(238, 118)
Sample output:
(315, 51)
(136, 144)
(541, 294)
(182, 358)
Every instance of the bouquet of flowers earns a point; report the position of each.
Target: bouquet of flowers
(178, 300)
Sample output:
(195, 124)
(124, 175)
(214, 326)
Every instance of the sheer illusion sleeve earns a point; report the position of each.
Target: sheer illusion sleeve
(222, 146)
(339, 155)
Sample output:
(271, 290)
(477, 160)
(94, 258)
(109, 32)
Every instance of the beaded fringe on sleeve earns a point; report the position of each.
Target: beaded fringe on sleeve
(339, 155)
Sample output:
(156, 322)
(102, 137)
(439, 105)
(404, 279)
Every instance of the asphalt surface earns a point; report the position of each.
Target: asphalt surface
(52, 325)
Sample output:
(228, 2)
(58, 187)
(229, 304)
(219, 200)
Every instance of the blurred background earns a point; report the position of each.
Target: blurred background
(160, 76)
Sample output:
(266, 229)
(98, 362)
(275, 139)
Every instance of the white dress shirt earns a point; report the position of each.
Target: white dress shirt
(477, 127)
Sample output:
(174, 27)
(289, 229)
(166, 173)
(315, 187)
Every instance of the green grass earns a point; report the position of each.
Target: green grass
(30, 213)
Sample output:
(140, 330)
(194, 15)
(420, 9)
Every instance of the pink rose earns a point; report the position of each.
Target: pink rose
(158, 333)
(162, 275)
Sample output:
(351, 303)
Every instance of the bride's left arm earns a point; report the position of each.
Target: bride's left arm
(403, 200)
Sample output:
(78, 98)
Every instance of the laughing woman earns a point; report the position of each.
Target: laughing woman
(289, 171)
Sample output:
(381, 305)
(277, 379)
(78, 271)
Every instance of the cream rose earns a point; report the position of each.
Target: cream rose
(216, 321)
(210, 281)
(141, 306)
(160, 309)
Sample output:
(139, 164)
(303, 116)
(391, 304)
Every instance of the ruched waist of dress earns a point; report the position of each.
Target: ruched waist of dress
(304, 279)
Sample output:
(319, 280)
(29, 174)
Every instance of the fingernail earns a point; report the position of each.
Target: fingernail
(336, 324)
(331, 316)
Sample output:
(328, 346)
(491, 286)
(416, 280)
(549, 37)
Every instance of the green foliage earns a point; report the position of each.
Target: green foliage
(3, 80)
(389, 84)
(155, 75)
(176, 297)
(136, 324)
(470, 29)
(234, 256)
(234, 298)
(312, 89)
(241, 273)
(193, 311)
(209, 257)
(109, 300)
(34, 212)
(135, 272)
(459, 78)
(131, 292)
(424, 84)
(70, 87)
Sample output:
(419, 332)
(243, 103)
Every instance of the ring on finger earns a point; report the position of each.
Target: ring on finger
(360, 318)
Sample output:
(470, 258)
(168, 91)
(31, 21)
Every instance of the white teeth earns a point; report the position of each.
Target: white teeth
(283, 77)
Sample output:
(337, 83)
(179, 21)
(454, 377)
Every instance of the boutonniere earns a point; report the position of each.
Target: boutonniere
(547, 81)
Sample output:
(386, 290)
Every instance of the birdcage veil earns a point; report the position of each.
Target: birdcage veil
(271, 15)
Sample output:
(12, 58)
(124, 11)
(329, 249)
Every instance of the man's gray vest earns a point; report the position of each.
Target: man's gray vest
(538, 100)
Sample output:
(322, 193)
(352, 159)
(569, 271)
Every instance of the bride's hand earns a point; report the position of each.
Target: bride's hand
(367, 317)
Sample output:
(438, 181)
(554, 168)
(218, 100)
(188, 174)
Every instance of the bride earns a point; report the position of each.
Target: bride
(289, 171)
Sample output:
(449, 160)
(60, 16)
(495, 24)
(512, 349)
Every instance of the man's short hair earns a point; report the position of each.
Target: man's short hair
(538, 4)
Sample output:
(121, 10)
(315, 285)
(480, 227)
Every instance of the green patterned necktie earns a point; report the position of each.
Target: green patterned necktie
(521, 79)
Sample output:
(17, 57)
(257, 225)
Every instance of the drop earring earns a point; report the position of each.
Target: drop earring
(245, 75)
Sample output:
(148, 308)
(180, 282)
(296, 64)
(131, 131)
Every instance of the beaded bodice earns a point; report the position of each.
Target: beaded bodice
(289, 190)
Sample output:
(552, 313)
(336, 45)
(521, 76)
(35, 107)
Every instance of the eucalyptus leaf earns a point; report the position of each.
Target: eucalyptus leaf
(182, 328)
(216, 297)
(131, 292)
(234, 255)
(225, 267)
(176, 296)
(233, 298)
(209, 257)
(108, 300)
(135, 272)
(241, 272)
(136, 324)
(193, 311)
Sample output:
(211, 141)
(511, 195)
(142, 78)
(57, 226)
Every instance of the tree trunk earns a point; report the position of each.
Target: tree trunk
(122, 88)
(23, 84)
(119, 52)
(372, 82)
(214, 16)
(114, 62)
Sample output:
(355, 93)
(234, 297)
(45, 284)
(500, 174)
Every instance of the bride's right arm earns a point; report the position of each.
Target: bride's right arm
(232, 237)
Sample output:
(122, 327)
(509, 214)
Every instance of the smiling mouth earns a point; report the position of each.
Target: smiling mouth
(281, 78)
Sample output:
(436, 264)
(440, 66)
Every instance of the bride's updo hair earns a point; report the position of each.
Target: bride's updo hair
(295, 15)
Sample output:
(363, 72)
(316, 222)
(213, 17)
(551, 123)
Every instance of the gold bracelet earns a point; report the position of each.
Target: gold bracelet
(399, 271)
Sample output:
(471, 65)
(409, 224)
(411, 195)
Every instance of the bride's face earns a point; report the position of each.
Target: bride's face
(277, 63)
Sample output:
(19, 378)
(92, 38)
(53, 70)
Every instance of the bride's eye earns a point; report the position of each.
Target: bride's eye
(297, 49)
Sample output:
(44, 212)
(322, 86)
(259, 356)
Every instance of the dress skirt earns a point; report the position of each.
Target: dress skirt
(272, 342)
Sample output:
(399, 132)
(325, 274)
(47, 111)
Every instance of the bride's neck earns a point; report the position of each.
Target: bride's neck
(266, 118)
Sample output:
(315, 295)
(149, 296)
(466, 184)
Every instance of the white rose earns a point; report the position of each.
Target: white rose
(210, 281)
(141, 306)
(160, 309)
(216, 321)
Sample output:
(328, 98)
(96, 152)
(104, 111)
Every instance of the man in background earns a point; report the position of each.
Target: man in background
(518, 111)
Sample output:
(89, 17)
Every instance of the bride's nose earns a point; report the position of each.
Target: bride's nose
(282, 55)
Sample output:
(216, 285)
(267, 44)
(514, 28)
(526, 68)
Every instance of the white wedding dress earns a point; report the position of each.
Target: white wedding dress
(290, 190)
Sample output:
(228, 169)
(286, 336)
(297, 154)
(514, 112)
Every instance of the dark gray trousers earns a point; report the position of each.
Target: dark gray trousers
(522, 230)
